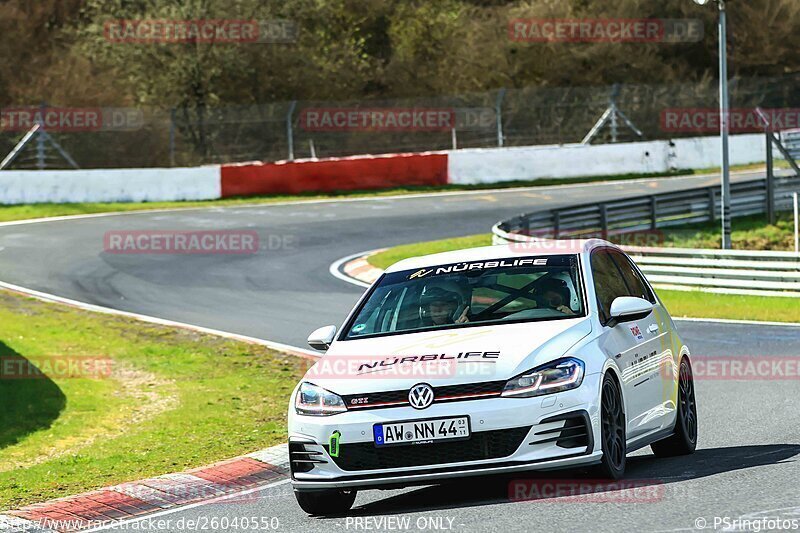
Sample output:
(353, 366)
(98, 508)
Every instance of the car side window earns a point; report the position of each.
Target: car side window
(633, 279)
(608, 282)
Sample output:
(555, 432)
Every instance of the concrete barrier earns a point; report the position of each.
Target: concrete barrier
(468, 166)
(494, 165)
(334, 174)
(109, 185)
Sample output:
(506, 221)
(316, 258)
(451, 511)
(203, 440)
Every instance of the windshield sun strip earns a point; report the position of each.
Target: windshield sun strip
(574, 264)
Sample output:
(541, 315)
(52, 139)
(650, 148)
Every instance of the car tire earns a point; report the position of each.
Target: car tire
(325, 502)
(683, 441)
(612, 434)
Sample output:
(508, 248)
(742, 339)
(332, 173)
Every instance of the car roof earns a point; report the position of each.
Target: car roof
(501, 251)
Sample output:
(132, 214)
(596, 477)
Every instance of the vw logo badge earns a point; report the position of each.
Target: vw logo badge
(420, 396)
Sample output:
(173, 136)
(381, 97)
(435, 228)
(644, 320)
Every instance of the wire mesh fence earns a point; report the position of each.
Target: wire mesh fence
(150, 137)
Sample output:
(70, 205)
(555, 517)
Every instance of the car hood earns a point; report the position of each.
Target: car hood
(447, 357)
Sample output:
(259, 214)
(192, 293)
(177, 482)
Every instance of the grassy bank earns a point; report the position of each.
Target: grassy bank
(698, 304)
(173, 400)
(747, 233)
(680, 303)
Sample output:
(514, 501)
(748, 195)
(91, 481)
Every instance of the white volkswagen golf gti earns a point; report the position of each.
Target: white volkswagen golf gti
(488, 361)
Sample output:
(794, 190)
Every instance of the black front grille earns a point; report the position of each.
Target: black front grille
(480, 446)
(376, 400)
(447, 393)
(487, 387)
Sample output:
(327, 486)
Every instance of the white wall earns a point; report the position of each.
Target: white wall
(704, 152)
(109, 185)
(482, 165)
(488, 165)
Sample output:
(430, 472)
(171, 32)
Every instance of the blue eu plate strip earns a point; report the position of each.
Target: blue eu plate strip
(377, 433)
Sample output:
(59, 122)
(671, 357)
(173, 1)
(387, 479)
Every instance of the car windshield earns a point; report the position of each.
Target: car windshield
(517, 289)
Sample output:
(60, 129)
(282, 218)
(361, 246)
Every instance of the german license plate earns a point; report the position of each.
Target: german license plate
(421, 431)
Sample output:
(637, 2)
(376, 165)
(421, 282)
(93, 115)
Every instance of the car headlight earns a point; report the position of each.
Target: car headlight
(556, 376)
(316, 401)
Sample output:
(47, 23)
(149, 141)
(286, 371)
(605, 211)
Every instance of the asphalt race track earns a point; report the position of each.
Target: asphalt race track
(746, 463)
(283, 292)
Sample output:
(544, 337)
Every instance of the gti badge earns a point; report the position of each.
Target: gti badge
(420, 396)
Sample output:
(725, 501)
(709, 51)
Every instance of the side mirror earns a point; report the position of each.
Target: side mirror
(322, 338)
(628, 308)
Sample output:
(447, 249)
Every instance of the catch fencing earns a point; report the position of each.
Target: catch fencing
(191, 136)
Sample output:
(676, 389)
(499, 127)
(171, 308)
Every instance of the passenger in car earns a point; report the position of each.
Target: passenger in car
(556, 295)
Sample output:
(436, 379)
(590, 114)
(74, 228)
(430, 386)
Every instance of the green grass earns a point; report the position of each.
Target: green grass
(28, 211)
(696, 304)
(392, 255)
(175, 399)
(747, 233)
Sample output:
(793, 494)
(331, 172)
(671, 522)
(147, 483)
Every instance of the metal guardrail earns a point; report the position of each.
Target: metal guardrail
(791, 140)
(745, 272)
(733, 271)
(652, 211)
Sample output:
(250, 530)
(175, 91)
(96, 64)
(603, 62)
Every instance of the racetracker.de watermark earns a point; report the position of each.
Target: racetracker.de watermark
(156, 523)
(144, 31)
(431, 366)
(745, 368)
(740, 120)
(184, 242)
(587, 490)
(55, 367)
(614, 30)
(71, 119)
(533, 241)
(377, 119)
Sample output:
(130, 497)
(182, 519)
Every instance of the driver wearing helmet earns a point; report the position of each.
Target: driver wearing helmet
(438, 307)
(556, 295)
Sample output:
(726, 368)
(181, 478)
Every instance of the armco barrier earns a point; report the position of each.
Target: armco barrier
(762, 272)
(335, 174)
(653, 211)
(772, 273)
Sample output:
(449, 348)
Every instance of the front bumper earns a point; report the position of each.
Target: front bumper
(508, 435)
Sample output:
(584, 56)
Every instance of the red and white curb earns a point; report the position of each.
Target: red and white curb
(138, 499)
(356, 270)
(361, 270)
